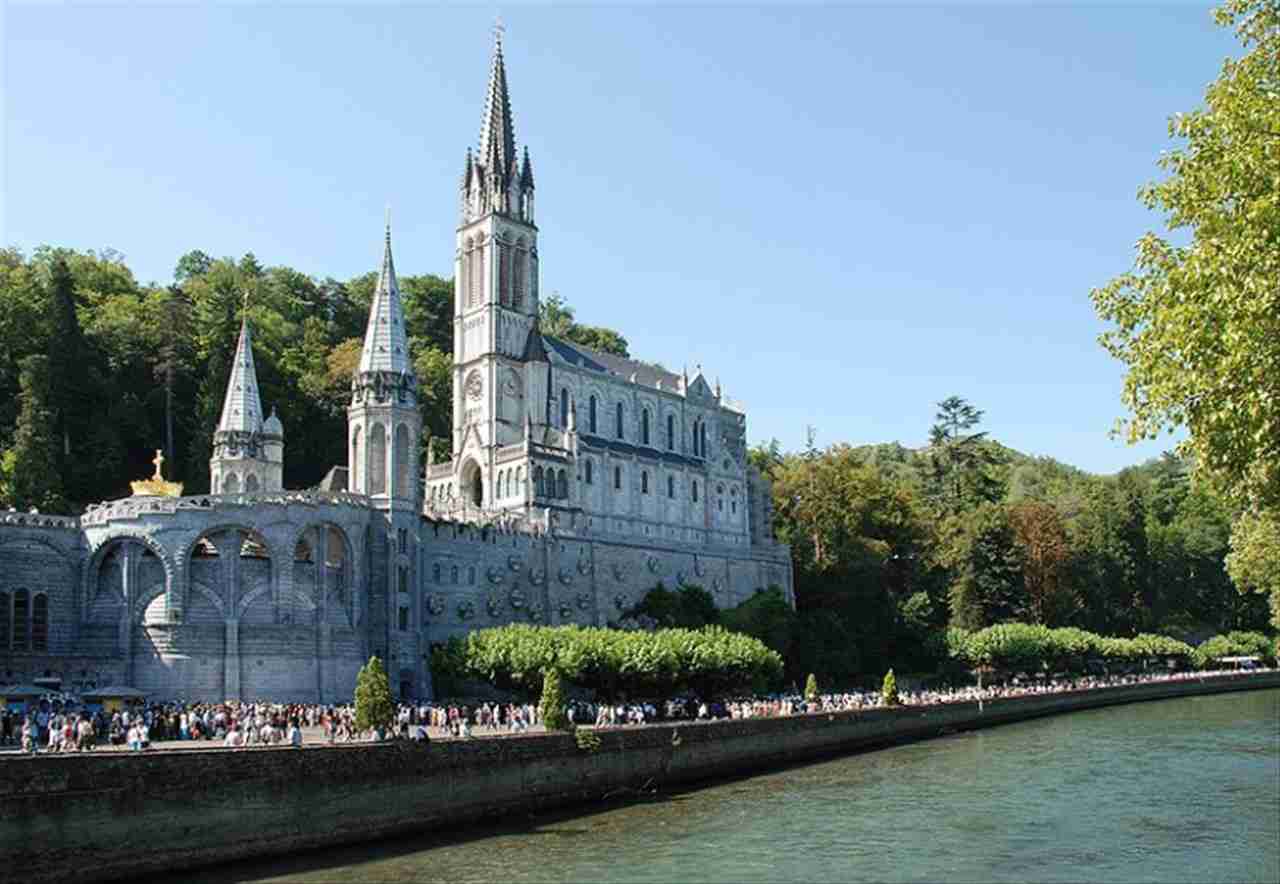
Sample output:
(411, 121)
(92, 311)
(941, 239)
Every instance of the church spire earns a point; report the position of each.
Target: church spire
(386, 347)
(242, 407)
(497, 136)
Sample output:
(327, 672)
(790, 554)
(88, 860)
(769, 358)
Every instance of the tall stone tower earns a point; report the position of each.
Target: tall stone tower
(495, 295)
(248, 452)
(383, 422)
(384, 428)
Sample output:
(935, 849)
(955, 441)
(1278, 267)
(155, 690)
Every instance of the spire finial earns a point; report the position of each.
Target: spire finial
(498, 31)
(388, 223)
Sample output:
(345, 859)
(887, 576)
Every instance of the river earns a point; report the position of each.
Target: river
(1176, 790)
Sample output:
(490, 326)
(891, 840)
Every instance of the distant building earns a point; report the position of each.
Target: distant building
(579, 481)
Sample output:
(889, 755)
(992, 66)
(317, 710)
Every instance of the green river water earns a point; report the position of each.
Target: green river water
(1171, 791)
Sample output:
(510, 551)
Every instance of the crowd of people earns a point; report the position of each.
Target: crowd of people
(66, 726)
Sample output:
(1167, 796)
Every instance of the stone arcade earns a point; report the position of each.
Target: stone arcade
(579, 481)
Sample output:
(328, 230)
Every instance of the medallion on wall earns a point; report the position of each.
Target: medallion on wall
(474, 386)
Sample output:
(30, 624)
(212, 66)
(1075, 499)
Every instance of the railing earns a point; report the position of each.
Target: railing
(129, 507)
(38, 520)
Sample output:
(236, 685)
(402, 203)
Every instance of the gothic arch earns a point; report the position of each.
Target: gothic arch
(377, 459)
(404, 467)
(274, 554)
(230, 484)
(102, 546)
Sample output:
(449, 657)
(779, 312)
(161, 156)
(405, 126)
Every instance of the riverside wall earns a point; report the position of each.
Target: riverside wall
(88, 817)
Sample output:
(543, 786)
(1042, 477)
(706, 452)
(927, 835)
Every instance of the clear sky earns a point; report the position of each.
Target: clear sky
(847, 213)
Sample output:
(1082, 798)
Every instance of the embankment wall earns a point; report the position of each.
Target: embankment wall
(104, 816)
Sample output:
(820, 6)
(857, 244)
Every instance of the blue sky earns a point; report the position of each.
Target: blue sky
(847, 213)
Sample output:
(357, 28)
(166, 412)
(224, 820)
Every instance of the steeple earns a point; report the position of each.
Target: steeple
(242, 407)
(496, 132)
(386, 346)
(248, 453)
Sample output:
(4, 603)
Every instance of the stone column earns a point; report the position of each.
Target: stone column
(128, 577)
(231, 660)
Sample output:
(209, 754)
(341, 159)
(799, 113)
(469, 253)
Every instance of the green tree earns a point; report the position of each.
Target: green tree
(811, 688)
(374, 706)
(32, 476)
(889, 690)
(551, 708)
(1254, 560)
(962, 463)
(71, 392)
(556, 318)
(988, 585)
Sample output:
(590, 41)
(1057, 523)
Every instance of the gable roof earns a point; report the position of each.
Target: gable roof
(645, 374)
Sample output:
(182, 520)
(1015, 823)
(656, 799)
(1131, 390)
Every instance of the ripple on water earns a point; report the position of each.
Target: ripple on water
(1180, 790)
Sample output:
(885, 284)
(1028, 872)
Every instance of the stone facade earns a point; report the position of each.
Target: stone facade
(580, 481)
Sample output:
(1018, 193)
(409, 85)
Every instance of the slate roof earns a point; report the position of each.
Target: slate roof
(242, 407)
(626, 449)
(386, 346)
(646, 375)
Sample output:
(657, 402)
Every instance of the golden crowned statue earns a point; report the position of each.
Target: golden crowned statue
(157, 486)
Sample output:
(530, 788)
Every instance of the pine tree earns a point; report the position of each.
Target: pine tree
(374, 706)
(552, 707)
(889, 690)
(33, 478)
(70, 391)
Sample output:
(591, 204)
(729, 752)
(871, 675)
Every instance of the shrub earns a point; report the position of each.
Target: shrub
(551, 708)
(1233, 644)
(374, 706)
(811, 688)
(612, 662)
(889, 691)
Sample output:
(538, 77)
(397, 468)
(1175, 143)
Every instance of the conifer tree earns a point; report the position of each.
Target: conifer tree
(70, 392)
(374, 706)
(31, 472)
(551, 707)
(889, 690)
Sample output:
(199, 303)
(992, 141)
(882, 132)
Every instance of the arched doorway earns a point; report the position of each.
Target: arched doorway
(472, 484)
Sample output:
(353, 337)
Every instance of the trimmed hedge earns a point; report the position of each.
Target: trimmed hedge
(1023, 646)
(613, 662)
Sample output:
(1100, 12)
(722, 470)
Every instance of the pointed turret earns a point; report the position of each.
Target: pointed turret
(386, 346)
(383, 419)
(248, 453)
(242, 407)
(497, 135)
(526, 171)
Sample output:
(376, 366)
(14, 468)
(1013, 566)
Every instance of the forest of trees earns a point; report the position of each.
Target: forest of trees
(97, 370)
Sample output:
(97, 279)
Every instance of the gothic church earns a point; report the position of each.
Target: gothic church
(579, 480)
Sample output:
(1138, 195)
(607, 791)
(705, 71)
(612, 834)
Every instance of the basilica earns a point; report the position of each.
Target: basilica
(579, 480)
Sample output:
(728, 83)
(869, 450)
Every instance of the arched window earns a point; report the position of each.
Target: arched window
(519, 256)
(644, 427)
(250, 483)
(471, 575)
(377, 459)
(620, 434)
(6, 620)
(587, 471)
(453, 575)
(591, 414)
(21, 611)
(231, 484)
(564, 407)
(617, 478)
(402, 579)
(562, 485)
(695, 490)
(503, 255)
(356, 480)
(537, 482)
(644, 481)
(703, 444)
(475, 270)
(671, 486)
(404, 469)
(671, 432)
(435, 572)
(696, 424)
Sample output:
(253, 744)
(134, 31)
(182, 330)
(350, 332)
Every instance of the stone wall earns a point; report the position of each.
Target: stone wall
(80, 818)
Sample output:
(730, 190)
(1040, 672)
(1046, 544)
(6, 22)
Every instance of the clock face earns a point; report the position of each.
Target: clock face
(474, 386)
